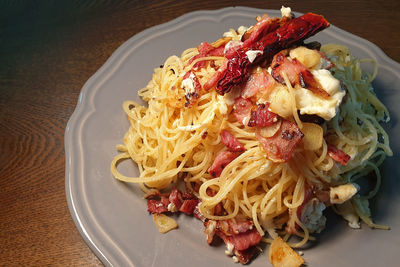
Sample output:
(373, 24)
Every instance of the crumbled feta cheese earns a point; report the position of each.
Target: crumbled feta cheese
(229, 249)
(342, 193)
(246, 120)
(235, 259)
(312, 216)
(252, 54)
(172, 208)
(242, 30)
(329, 83)
(232, 44)
(188, 84)
(309, 103)
(228, 34)
(286, 11)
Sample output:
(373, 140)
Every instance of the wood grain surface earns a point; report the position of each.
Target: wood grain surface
(48, 50)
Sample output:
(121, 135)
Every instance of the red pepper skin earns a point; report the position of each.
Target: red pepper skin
(293, 32)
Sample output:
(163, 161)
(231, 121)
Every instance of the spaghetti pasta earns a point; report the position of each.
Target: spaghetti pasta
(176, 138)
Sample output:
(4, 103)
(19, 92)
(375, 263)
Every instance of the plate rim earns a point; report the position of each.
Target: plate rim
(85, 106)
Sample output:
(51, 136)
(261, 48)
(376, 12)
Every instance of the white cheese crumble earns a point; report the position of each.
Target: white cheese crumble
(286, 11)
(229, 249)
(188, 84)
(242, 30)
(309, 103)
(172, 208)
(252, 54)
(342, 193)
(235, 259)
(232, 44)
(312, 216)
(246, 120)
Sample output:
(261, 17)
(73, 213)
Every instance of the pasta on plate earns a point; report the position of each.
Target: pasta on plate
(264, 131)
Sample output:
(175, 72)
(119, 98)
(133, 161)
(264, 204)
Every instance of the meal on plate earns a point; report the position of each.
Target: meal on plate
(256, 134)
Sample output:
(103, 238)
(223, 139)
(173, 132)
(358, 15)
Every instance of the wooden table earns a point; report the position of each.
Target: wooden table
(48, 50)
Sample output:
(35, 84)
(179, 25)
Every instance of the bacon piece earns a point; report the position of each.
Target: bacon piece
(188, 195)
(206, 49)
(175, 197)
(262, 117)
(297, 74)
(279, 147)
(237, 233)
(232, 227)
(338, 155)
(290, 33)
(242, 109)
(212, 82)
(219, 209)
(156, 206)
(220, 162)
(191, 94)
(189, 206)
(257, 83)
(231, 142)
(242, 241)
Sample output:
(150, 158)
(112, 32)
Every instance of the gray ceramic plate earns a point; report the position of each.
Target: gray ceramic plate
(112, 217)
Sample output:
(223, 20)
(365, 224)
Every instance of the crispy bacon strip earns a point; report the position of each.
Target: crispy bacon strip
(220, 162)
(188, 206)
(242, 109)
(262, 117)
(279, 147)
(238, 233)
(184, 202)
(156, 206)
(297, 74)
(338, 155)
(216, 77)
(242, 241)
(175, 197)
(206, 49)
(231, 142)
(258, 83)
